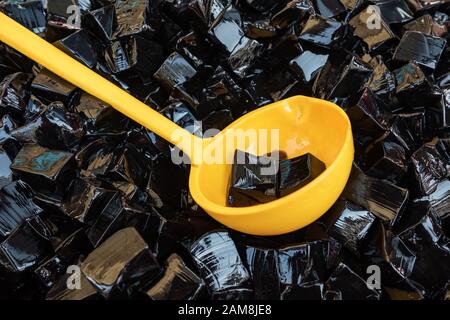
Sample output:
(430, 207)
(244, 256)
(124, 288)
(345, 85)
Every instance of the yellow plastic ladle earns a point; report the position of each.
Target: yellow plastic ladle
(304, 125)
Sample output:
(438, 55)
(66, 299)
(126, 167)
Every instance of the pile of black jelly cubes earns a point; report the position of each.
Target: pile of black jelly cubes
(92, 206)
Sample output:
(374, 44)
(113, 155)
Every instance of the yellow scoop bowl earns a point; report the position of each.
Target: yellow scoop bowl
(304, 125)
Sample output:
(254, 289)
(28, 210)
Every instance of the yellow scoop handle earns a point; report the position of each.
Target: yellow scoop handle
(25, 41)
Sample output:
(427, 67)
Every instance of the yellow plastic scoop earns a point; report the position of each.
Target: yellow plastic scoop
(302, 124)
